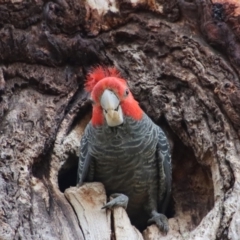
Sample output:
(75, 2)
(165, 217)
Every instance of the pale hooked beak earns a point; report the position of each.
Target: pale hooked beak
(111, 108)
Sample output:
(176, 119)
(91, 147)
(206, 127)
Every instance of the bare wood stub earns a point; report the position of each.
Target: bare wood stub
(123, 228)
(87, 202)
(153, 233)
(95, 223)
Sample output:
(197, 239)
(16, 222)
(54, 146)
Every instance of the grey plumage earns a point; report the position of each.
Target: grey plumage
(133, 159)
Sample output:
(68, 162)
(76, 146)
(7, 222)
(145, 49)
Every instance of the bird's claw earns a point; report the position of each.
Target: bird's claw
(119, 200)
(161, 221)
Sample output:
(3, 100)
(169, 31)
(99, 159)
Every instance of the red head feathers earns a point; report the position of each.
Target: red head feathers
(102, 78)
(98, 74)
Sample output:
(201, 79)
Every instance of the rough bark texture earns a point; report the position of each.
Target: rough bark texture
(182, 62)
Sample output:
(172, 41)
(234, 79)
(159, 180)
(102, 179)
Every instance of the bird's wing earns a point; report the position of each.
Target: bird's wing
(84, 159)
(165, 170)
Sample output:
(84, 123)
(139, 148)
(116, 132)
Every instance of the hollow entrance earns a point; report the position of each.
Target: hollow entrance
(193, 190)
(67, 176)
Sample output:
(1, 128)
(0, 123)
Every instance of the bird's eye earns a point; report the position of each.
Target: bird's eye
(127, 92)
(116, 109)
(105, 110)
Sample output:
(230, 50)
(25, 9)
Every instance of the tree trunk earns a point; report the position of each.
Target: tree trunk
(182, 62)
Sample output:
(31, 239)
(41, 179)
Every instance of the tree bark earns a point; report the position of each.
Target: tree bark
(182, 62)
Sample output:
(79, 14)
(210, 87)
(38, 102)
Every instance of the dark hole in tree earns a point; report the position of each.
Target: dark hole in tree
(67, 176)
(192, 187)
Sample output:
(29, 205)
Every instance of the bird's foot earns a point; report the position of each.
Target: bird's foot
(119, 200)
(161, 221)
